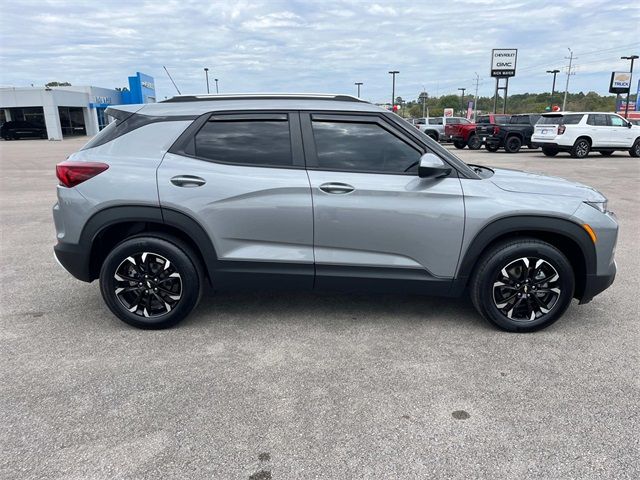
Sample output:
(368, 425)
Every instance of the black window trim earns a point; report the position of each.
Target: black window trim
(185, 143)
(306, 119)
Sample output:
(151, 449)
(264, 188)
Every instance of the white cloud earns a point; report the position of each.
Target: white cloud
(294, 45)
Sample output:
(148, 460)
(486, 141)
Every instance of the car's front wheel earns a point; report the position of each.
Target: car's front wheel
(151, 282)
(635, 149)
(523, 285)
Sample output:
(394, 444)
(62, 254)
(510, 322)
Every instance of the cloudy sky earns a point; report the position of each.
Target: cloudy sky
(315, 46)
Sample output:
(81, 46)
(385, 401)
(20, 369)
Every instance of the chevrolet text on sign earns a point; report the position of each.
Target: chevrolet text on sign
(503, 62)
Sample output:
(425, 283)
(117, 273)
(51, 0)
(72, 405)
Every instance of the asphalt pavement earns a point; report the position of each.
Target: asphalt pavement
(305, 385)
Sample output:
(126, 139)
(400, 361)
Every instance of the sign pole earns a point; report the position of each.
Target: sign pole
(506, 89)
(495, 97)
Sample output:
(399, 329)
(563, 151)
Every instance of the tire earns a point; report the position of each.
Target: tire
(474, 142)
(606, 153)
(513, 144)
(491, 147)
(523, 310)
(43, 136)
(6, 136)
(581, 148)
(459, 144)
(154, 305)
(433, 135)
(549, 151)
(533, 147)
(635, 149)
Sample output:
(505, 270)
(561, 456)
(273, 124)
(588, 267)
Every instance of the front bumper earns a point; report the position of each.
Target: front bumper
(595, 284)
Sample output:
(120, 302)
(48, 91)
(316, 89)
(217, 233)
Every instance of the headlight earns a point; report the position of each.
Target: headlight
(601, 206)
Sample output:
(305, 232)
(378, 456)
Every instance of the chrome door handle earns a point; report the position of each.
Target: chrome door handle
(336, 188)
(188, 181)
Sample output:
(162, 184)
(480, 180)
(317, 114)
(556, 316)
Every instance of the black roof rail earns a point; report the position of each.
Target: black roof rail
(262, 96)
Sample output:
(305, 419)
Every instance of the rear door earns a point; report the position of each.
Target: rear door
(599, 131)
(241, 176)
(374, 218)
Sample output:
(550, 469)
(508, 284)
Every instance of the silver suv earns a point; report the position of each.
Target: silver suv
(317, 191)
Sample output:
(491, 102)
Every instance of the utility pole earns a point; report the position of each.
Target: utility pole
(553, 86)
(216, 85)
(358, 84)
(566, 88)
(424, 99)
(393, 89)
(475, 99)
(206, 73)
(462, 101)
(632, 58)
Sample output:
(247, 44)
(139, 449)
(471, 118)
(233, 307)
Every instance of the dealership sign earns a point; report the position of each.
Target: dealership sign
(620, 82)
(503, 62)
(448, 112)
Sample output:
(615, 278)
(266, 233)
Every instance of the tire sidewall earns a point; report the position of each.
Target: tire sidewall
(191, 280)
(474, 142)
(513, 144)
(511, 253)
(575, 151)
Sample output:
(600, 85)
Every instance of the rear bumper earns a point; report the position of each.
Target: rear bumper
(554, 145)
(74, 260)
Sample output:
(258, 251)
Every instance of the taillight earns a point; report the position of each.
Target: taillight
(496, 130)
(72, 173)
(561, 129)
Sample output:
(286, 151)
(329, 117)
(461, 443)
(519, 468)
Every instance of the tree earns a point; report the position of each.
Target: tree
(58, 84)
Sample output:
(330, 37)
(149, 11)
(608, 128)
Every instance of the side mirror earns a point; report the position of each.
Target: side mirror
(629, 124)
(431, 166)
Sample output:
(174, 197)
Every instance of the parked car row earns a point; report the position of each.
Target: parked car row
(577, 133)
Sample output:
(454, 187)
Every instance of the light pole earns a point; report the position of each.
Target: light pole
(216, 85)
(553, 86)
(462, 101)
(632, 58)
(566, 87)
(393, 89)
(358, 84)
(424, 99)
(206, 74)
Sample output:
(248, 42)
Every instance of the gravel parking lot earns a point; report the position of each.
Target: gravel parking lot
(297, 386)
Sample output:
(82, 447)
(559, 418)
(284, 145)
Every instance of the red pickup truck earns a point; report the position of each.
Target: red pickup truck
(464, 134)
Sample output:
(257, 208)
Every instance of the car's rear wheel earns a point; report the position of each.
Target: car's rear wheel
(492, 147)
(474, 142)
(549, 151)
(523, 285)
(151, 282)
(581, 148)
(513, 144)
(433, 135)
(635, 149)
(459, 144)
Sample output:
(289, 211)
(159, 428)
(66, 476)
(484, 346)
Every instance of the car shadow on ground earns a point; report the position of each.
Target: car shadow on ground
(320, 307)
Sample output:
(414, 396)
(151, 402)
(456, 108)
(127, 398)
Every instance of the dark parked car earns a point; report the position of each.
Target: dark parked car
(13, 130)
(512, 135)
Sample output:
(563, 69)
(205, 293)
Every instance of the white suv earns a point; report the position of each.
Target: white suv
(580, 133)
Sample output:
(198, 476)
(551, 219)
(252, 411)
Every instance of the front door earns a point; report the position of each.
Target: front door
(374, 218)
(241, 176)
(620, 133)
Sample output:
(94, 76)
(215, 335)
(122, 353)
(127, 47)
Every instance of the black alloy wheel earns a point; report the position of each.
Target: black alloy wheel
(474, 142)
(581, 148)
(151, 281)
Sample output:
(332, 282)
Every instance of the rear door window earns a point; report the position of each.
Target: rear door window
(598, 120)
(257, 141)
